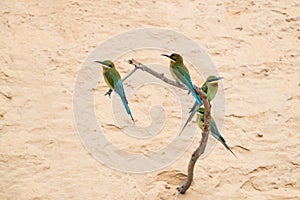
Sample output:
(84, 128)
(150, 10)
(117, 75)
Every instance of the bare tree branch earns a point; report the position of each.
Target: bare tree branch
(130, 73)
(156, 74)
(200, 150)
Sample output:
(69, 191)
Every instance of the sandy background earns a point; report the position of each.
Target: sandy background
(255, 46)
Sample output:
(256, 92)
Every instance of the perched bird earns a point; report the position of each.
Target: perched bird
(181, 74)
(213, 128)
(210, 87)
(114, 82)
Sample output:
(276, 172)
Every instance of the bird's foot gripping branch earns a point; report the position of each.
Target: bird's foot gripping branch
(207, 116)
(108, 93)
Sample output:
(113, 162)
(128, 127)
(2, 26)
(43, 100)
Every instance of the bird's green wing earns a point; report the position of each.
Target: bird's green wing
(183, 75)
(111, 77)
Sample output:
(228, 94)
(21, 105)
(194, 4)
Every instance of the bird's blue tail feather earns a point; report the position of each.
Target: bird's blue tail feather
(120, 90)
(194, 93)
(222, 140)
(125, 103)
(193, 112)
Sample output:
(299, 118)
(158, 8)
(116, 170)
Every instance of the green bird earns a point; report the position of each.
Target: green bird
(181, 74)
(213, 129)
(114, 82)
(210, 87)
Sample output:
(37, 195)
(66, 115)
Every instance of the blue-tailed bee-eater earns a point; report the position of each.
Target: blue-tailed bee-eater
(210, 87)
(181, 74)
(114, 82)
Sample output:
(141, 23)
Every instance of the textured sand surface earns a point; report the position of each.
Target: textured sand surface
(254, 45)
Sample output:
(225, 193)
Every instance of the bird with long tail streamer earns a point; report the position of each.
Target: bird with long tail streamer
(210, 87)
(181, 74)
(114, 82)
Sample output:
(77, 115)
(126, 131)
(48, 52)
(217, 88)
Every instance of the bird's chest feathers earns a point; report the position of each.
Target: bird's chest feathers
(173, 74)
(105, 71)
(108, 77)
(173, 67)
(212, 90)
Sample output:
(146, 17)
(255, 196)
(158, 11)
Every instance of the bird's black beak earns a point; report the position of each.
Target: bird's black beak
(102, 63)
(165, 55)
(216, 79)
(168, 56)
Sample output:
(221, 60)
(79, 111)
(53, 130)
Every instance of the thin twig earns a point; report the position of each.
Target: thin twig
(200, 150)
(160, 76)
(130, 73)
